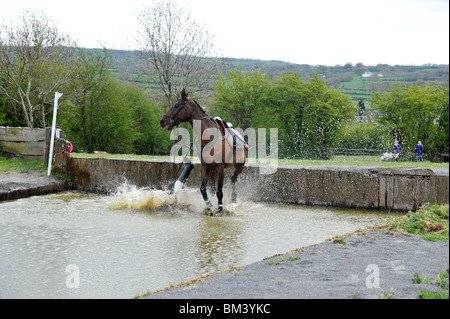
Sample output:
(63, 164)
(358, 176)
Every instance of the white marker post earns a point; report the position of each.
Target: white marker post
(52, 140)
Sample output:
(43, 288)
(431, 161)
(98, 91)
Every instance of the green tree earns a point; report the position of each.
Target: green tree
(364, 136)
(442, 140)
(35, 61)
(101, 113)
(111, 122)
(415, 113)
(390, 105)
(6, 112)
(152, 139)
(239, 95)
(309, 115)
(92, 71)
(108, 122)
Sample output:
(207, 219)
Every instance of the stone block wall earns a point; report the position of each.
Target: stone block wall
(355, 187)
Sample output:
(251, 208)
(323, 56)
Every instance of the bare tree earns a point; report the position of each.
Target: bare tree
(175, 50)
(34, 59)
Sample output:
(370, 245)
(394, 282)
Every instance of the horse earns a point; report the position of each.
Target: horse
(215, 152)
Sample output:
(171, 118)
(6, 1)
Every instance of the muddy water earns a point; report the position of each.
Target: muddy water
(81, 245)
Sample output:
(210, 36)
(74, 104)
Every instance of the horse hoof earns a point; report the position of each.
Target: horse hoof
(208, 211)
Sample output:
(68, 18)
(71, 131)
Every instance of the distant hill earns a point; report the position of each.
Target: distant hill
(358, 81)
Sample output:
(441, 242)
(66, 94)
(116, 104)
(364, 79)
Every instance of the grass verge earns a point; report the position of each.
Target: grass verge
(337, 161)
(20, 165)
(431, 222)
(441, 282)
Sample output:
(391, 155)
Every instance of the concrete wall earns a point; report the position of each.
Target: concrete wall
(357, 187)
(28, 143)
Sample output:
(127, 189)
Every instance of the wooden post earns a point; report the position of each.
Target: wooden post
(62, 155)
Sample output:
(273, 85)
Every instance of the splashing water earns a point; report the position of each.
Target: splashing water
(132, 197)
(129, 196)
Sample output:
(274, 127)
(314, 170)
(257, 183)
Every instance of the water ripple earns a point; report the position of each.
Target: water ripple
(140, 240)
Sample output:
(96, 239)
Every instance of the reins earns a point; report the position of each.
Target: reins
(172, 118)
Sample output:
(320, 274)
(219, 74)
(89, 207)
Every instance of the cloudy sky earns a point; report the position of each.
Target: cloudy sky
(325, 32)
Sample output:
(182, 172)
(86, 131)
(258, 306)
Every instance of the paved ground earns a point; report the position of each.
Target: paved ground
(19, 185)
(368, 265)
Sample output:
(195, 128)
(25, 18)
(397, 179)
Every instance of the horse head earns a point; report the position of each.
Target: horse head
(175, 116)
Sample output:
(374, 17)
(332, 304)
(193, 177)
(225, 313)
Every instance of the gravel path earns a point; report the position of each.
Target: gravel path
(369, 265)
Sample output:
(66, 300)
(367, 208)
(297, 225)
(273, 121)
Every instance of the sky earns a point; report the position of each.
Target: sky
(319, 32)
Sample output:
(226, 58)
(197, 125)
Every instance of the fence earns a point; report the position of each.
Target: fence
(358, 153)
(28, 143)
(373, 154)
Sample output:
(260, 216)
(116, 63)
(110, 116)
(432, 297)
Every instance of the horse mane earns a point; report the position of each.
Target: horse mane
(185, 97)
(203, 111)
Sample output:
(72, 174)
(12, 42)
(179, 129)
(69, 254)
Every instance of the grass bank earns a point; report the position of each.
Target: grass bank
(337, 161)
(20, 165)
(431, 222)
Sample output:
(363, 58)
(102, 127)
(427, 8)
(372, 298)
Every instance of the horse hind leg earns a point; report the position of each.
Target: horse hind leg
(212, 181)
(220, 175)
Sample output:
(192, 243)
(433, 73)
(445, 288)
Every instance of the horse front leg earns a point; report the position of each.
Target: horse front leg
(205, 172)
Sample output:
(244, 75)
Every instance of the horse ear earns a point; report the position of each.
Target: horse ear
(184, 95)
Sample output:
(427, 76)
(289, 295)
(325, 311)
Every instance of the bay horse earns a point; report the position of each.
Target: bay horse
(215, 152)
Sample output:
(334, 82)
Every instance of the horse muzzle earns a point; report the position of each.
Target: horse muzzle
(166, 123)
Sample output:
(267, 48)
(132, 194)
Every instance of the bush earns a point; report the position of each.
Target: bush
(364, 136)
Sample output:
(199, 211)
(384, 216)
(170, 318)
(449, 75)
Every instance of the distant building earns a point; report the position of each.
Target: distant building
(369, 74)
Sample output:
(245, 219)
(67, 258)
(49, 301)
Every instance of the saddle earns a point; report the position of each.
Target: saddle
(233, 137)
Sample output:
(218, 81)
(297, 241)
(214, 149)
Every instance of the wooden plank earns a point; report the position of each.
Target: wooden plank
(21, 134)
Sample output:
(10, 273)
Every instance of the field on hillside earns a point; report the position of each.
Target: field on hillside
(347, 79)
(362, 88)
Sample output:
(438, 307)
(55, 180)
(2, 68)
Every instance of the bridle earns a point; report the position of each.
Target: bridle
(173, 122)
(172, 118)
